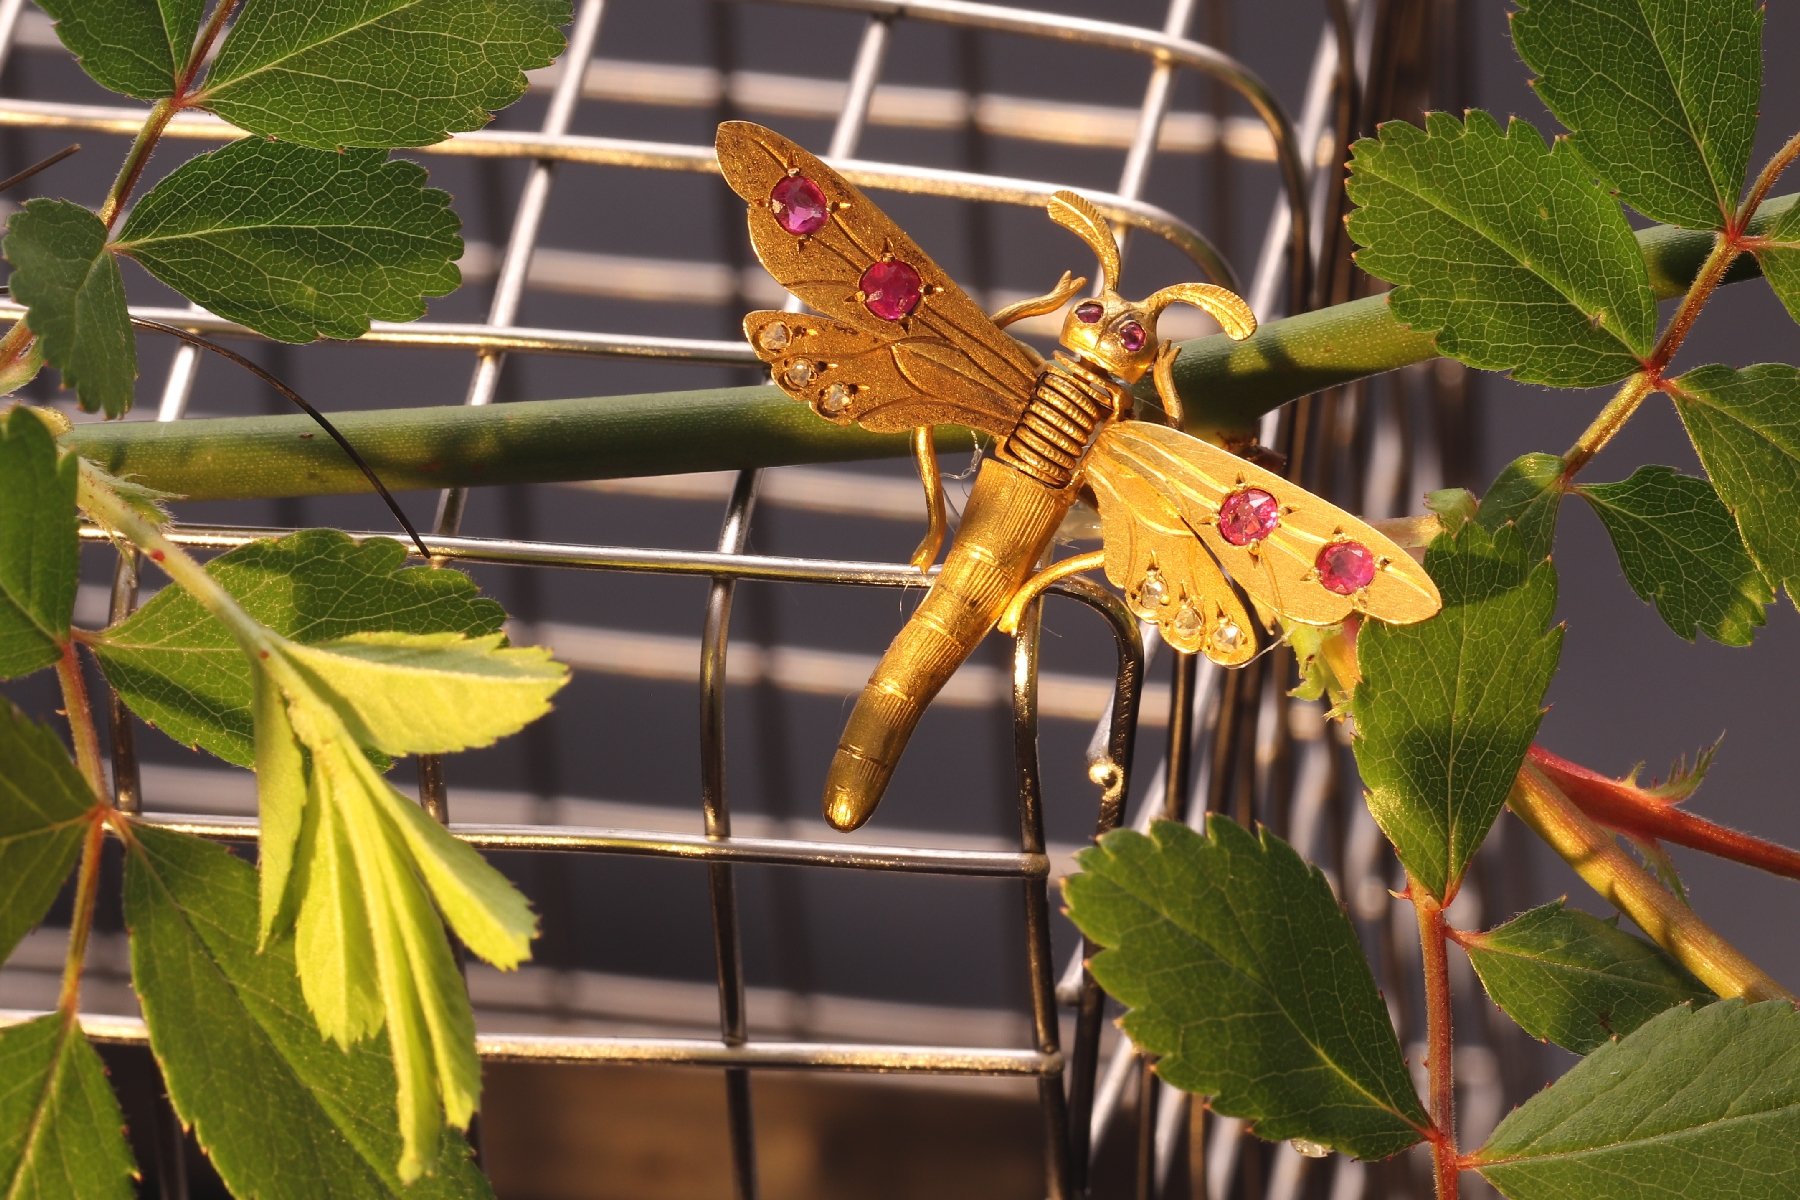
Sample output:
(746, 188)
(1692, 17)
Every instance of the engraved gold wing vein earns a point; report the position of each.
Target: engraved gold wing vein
(946, 363)
(1142, 531)
(1193, 477)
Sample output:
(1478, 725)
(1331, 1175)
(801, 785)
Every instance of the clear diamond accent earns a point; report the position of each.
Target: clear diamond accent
(835, 400)
(1228, 636)
(799, 373)
(772, 337)
(1153, 591)
(1187, 620)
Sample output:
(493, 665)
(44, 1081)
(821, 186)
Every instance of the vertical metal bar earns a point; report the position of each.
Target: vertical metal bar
(515, 263)
(733, 1023)
(1045, 1032)
(722, 892)
(509, 288)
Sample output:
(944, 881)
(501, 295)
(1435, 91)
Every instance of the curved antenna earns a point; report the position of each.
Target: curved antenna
(1078, 215)
(1221, 304)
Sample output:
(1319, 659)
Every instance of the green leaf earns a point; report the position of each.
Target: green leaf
(61, 1132)
(44, 808)
(1505, 249)
(1576, 980)
(1447, 708)
(1745, 425)
(1660, 96)
(298, 243)
(1779, 254)
(137, 47)
(1681, 551)
(1242, 972)
(39, 549)
(70, 285)
(1696, 1104)
(433, 693)
(179, 668)
(1528, 493)
(277, 1107)
(379, 73)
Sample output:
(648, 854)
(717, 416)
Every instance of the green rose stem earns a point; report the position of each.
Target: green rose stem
(1440, 1053)
(1225, 385)
(1593, 854)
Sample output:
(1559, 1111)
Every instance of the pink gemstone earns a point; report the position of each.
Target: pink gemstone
(1248, 516)
(799, 205)
(891, 289)
(1345, 567)
(1131, 336)
(1088, 312)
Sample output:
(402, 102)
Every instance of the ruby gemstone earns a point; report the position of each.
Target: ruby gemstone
(799, 205)
(1345, 567)
(1248, 516)
(1131, 336)
(891, 289)
(1088, 312)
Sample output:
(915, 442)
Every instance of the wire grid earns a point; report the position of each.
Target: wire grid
(1233, 742)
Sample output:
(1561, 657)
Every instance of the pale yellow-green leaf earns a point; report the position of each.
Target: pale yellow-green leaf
(281, 801)
(331, 937)
(433, 693)
(486, 911)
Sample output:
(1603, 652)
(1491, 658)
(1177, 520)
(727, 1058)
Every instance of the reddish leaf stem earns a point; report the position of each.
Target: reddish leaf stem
(80, 714)
(1726, 248)
(81, 922)
(1632, 810)
(1765, 180)
(1440, 1058)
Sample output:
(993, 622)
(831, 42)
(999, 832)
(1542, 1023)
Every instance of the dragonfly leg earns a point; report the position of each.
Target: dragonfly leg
(1029, 591)
(1037, 306)
(925, 451)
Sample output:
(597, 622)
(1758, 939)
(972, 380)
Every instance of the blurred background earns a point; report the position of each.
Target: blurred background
(975, 1075)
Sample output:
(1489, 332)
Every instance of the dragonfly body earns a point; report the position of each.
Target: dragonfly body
(1020, 497)
(897, 346)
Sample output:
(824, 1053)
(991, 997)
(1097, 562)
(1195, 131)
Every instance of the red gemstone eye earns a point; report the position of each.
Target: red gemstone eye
(1249, 515)
(1089, 312)
(891, 289)
(1345, 567)
(799, 205)
(1131, 336)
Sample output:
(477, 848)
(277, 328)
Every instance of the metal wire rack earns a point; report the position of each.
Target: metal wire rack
(1229, 742)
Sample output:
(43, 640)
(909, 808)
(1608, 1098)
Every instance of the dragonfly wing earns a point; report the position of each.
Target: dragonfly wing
(885, 384)
(1292, 552)
(1166, 574)
(827, 243)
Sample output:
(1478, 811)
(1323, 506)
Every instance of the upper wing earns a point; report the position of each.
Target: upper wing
(901, 335)
(1303, 558)
(1166, 574)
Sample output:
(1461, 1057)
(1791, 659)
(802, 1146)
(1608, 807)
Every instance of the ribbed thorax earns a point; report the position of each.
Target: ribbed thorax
(1009, 520)
(1068, 403)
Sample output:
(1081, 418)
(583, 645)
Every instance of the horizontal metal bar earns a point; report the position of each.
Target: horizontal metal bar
(461, 336)
(664, 156)
(694, 847)
(687, 1052)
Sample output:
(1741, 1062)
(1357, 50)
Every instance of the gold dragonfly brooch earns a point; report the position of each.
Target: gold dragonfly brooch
(897, 346)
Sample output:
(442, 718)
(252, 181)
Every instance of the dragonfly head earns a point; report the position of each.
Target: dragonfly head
(1112, 332)
(1118, 334)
